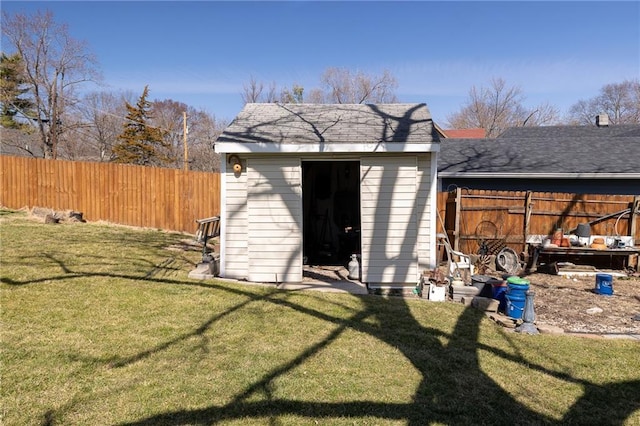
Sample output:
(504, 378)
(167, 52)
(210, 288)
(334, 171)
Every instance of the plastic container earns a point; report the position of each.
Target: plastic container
(499, 290)
(354, 268)
(604, 284)
(436, 293)
(517, 284)
(516, 296)
(515, 305)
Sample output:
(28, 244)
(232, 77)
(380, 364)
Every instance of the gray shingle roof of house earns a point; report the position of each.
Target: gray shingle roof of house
(545, 151)
(623, 130)
(17, 143)
(331, 123)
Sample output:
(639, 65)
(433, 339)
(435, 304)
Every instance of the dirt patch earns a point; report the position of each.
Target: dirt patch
(571, 303)
(567, 302)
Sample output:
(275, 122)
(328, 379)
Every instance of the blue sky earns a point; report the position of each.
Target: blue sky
(203, 52)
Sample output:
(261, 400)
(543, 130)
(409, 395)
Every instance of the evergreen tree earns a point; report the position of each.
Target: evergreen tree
(140, 143)
(12, 92)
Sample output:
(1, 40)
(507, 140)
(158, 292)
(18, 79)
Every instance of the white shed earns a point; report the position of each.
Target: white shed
(317, 183)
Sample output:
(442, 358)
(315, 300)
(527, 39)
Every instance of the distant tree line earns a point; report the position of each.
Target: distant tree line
(43, 115)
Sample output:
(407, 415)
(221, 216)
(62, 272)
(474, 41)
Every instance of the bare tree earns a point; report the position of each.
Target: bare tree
(339, 85)
(168, 115)
(271, 96)
(620, 101)
(343, 87)
(202, 131)
(253, 92)
(55, 64)
(499, 107)
(96, 124)
(316, 96)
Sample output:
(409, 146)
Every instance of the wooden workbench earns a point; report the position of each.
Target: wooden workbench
(630, 253)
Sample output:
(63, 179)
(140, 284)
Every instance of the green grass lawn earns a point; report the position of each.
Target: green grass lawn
(101, 326)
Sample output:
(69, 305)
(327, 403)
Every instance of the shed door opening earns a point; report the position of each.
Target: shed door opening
(331, 211)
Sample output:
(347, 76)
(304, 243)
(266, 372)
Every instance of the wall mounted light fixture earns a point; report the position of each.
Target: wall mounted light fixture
(237, 165)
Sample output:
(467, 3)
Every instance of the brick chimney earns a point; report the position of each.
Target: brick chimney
(602, 120)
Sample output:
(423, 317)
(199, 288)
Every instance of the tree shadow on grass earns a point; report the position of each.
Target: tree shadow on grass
(452, 384)
(148, 271)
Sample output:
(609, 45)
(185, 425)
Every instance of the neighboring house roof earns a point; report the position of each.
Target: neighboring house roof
(546, 152)
(268, 127)
(17, 143)
(618, 131)
(465, 133)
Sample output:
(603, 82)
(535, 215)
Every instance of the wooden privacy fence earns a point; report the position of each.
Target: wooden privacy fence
(507, 218)
(174, 199)
(154, 197)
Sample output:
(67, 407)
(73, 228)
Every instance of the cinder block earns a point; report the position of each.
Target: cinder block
(467, 291)
(485, 304)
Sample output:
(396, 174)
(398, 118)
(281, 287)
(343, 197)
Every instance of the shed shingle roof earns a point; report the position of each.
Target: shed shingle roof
(331, 123)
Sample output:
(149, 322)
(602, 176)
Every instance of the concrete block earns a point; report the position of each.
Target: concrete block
(467, 291)
(206, 269)
(202, 271)
(485, 304)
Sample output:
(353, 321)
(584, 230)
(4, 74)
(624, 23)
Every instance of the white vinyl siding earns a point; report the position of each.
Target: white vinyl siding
(426, 216)
(235, 228)
(389, 219)
(274, 202)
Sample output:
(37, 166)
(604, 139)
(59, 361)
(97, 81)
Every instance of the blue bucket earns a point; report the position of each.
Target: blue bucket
(498, 291)
(604, 284)
(515, 305)
(516, 296)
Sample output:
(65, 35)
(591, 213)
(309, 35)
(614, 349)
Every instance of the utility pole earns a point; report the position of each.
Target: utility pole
(184, 133)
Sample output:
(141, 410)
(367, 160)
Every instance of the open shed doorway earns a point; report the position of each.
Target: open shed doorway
(331, 212)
